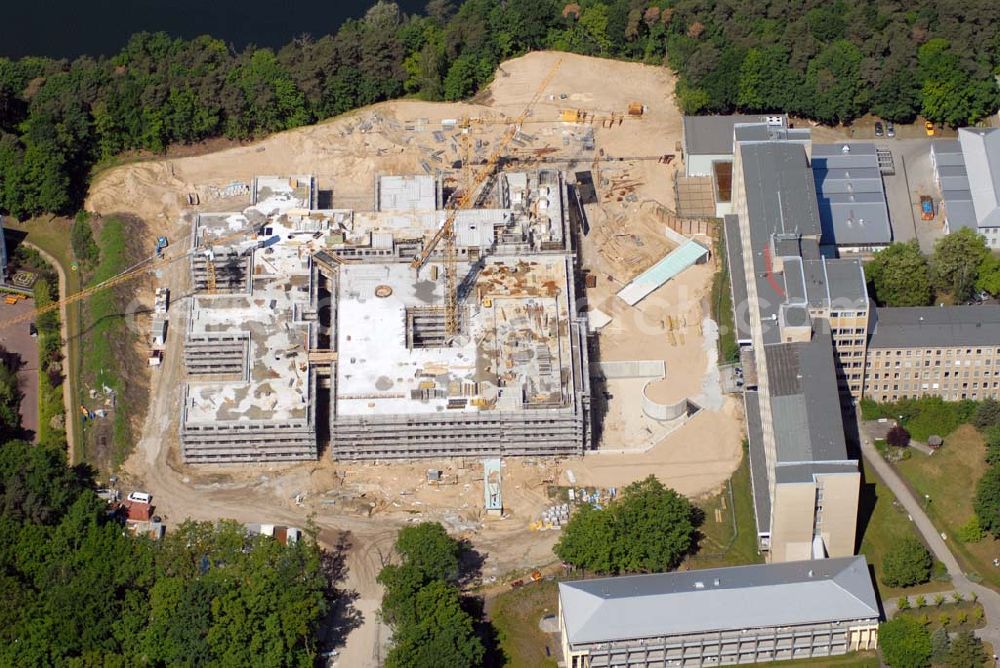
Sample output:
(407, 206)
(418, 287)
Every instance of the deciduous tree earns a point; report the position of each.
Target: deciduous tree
(907, 563)
(905, 643)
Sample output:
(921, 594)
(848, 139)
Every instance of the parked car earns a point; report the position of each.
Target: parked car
(890, 129)
(879, 130)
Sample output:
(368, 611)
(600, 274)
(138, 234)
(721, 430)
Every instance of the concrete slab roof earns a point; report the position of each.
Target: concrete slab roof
(718, 599)
(407, 193)
(513, 354)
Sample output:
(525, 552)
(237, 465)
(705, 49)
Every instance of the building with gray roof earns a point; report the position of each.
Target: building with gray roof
(721, 616)
(952, 352)
(967, 171)
(709, 143)
(851, 197)
(801, 322)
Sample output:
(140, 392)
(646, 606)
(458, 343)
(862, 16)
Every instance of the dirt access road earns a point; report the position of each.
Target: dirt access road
(369, 501)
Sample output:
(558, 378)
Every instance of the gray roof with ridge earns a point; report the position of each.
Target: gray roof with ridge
(936, 326)
(718, 599)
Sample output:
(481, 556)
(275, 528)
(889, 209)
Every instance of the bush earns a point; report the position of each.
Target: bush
(970, 532)
(908, 563)
(965, 651)
(898, 437)
(987, 414)
(987, 502)
(940, 644)
(992, 438)
(81, 238)
(905, 642)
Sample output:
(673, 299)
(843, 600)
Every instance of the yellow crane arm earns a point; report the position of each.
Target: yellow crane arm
(463, 202)
(132, 272)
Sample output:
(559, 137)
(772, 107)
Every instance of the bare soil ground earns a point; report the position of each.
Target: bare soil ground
(371, 501)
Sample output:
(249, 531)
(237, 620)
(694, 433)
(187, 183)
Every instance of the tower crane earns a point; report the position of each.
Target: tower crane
(139, 269)
(447, 230)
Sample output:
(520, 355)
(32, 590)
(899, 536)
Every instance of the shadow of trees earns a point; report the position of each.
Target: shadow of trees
(342, 616)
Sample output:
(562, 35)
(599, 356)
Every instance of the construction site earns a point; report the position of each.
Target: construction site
(474, 347)
(433, 312)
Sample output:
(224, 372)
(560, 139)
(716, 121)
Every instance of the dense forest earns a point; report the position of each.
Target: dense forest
(831, 61)
(80, 591)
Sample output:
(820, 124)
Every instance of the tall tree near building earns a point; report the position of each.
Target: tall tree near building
(956, 261)
(648, 529)
(900, 276)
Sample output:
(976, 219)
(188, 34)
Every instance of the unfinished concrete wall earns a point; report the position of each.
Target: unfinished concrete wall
(487, 434)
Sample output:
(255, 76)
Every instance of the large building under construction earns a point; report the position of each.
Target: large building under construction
(304, 315)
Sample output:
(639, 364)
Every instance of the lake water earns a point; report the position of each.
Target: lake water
(69, 28)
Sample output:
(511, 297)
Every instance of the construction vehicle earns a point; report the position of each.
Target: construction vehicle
(926, 207)
(161, 244)
(447, 230)
(929, 128)
(12, 299)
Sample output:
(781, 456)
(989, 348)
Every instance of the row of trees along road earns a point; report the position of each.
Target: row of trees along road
(831, 62)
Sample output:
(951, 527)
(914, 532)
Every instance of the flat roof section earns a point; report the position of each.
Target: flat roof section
(850, 195)
(737, 279)
(513, 353)
(407, 193)
(718, 599)
(936, 327)
(805, 406)
(758, 463)
(713, 135)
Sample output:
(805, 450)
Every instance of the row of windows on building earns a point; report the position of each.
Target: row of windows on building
(936, 352)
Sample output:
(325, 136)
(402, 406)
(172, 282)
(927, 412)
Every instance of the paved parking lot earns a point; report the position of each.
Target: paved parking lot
(16, 339)
(914, 177)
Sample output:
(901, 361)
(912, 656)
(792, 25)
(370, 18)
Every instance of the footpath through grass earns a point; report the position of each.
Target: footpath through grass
(949, 478)
(52, 235)
(887, 525)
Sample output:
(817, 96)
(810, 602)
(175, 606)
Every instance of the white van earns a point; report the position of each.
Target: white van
(140, 497)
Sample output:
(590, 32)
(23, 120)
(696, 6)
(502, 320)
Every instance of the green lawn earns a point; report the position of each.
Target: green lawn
(721, 545)
(853, 660)
(722, 306)
(52, 236)
(949, 477)
(515, 615)
(887, 524)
